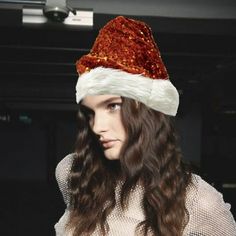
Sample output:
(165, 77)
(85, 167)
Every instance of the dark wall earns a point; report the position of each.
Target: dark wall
(38, 111)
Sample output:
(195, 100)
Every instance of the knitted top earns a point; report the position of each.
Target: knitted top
(209, 215)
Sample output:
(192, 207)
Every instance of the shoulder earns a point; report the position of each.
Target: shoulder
(205, 194)
(64, 166)
(208, 212)
(62, 172)
(202, 190)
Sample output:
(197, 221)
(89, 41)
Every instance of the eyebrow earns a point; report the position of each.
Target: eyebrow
(102, 103)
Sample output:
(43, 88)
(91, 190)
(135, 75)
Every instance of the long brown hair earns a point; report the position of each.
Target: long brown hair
(150, 156)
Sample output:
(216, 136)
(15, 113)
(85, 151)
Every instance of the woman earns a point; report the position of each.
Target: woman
(126, 176)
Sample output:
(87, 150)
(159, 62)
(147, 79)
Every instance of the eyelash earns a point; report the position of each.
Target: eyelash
(111, 106)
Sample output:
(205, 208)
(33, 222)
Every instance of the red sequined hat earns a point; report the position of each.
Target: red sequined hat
(126, 61)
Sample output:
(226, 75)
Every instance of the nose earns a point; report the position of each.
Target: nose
(99, 124)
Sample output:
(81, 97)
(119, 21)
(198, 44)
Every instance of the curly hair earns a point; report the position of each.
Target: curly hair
(150, 156)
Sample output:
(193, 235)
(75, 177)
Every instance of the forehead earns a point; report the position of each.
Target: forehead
(96, 100)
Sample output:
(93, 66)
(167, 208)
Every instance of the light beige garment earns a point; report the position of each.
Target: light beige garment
(209, 214)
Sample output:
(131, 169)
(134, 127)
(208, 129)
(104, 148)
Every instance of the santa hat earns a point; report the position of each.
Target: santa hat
(126, 61)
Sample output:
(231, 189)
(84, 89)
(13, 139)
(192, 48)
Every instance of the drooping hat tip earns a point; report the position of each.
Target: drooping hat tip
(126, 61)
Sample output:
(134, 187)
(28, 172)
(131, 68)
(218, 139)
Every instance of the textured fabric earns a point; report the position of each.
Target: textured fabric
(158, 94)
(125, 44)
(209, 215)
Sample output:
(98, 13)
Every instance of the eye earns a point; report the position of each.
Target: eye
(114, 106)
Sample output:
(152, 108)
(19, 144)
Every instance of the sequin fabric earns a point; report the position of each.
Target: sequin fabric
(209, 215)
(125, 44)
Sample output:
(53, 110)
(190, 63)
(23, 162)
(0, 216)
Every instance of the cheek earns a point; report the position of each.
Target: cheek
(119, 127)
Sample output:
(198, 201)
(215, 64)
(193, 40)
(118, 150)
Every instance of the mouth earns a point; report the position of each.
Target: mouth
(108, 143)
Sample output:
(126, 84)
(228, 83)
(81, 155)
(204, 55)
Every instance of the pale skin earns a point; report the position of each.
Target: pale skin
(105, 121)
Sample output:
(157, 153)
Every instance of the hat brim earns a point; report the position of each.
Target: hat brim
(158, 94)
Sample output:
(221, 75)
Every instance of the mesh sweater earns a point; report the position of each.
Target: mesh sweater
(209, 215)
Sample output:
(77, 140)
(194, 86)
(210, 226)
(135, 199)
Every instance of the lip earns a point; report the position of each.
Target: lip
(108, 143)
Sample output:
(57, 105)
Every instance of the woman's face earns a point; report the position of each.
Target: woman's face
(104, 112)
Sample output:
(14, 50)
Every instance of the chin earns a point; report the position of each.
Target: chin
(111, 155)
(112, 158)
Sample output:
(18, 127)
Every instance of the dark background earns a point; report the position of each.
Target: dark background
(38, 110)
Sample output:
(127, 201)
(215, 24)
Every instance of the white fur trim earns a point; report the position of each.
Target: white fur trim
(159, 94)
